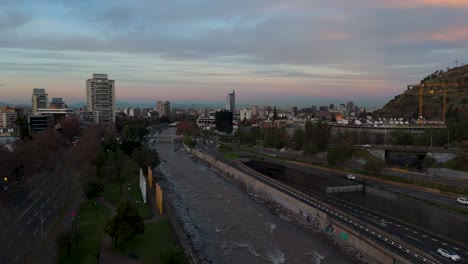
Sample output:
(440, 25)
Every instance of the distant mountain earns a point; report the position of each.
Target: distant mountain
(3, 104)
(406, 105)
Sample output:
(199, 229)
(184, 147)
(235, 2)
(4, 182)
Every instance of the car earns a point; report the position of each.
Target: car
(448, 254)
(462, 200)
(351, 177)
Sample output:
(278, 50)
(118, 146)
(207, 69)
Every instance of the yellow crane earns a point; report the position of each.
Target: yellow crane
(444, 87)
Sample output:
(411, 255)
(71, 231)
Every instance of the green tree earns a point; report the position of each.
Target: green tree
(93, 192)
(67, 240)
(125, 225)
(172, 255)
(375, 166)
(298, 139)
(429, 162)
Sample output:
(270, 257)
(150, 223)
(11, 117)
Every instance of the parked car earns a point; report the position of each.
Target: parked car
(351, 177)
(462, 200)
(448, 254)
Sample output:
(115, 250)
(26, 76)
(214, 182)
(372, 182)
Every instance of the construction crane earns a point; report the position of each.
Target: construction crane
(444, 87)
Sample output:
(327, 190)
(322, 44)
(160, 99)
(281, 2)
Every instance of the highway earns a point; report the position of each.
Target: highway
(27, 214)
(366, 220)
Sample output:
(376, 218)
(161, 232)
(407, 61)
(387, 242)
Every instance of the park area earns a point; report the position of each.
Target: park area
(91, 247)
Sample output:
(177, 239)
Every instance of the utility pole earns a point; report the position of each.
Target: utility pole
(456, 63)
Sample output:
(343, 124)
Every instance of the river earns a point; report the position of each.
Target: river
(228, 225)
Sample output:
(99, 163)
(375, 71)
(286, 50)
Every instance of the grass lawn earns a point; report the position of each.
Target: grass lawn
(157, 237)
(92, 233)
(112, 194)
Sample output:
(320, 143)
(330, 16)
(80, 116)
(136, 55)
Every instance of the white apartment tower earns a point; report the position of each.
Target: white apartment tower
(39, 100)
(163, 108)
(100, 98)
(231, 102)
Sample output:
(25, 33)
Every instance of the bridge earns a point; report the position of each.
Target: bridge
(164, 138)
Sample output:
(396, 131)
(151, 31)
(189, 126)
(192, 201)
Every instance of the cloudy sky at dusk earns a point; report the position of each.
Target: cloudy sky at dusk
(296, 52)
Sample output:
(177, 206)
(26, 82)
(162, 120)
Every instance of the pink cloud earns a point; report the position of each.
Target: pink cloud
(335, 35)
(444, 35)
(419, 3)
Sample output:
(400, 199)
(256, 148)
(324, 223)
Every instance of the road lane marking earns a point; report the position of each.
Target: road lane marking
(424, 235)
(9, 245)
(49, 212)
(28, 222)
(456, 248)
(434, 239)
(412, 237)
(35, 232)
(398, 225)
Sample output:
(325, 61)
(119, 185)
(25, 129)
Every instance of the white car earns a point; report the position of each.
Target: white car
(462, 200)
(351, 177)
(448, 254)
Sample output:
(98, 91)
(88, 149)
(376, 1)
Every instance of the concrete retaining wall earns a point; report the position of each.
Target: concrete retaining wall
(444, 172)
(442, 157)
(380, 154)
(311, 214)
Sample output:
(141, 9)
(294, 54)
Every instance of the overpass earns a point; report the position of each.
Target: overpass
(387, 152)
(164, 138)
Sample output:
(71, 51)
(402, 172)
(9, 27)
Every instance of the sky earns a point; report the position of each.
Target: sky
(275, 52)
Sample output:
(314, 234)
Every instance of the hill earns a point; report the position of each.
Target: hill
(406, 105)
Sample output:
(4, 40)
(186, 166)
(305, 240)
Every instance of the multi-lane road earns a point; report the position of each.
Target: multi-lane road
(366, 220)
(27, 213)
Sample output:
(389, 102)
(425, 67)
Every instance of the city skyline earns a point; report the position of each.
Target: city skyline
(285, 54)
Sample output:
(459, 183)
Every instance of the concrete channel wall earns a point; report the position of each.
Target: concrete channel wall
(313, 215)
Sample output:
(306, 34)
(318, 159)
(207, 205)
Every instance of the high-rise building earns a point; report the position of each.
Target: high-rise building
(39, 99)
(57, 103)
(223, 121)
(331, 106)
(255, 111)
(163, 108)
(100, 98)
(231, 102)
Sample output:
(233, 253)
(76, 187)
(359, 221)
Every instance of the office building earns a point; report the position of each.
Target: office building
(57, 103)
(39, 99)
(100, 98)
(41, 122)
(163, 108)
(223, 121)
(231, 102)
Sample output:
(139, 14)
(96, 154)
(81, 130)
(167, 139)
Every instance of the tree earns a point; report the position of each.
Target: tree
(125, 225)
(67, 240)
(429, 162)
(298, 139)
(172, 255)
(93, 191)
(375, 166)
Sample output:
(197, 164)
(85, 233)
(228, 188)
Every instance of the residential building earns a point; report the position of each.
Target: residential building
(100, 98)
(39, 99)
(8, 117)
(255, 110)
(231, 102)
(245, 114)
(163, 108)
